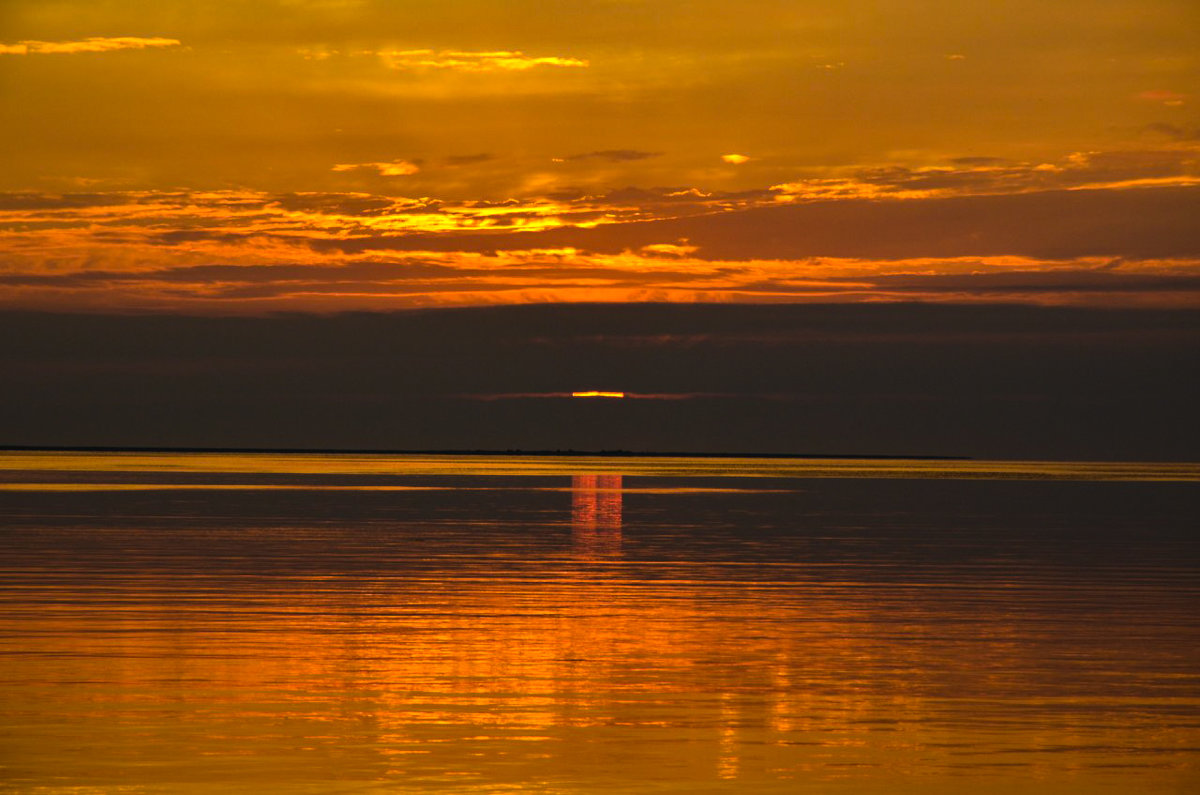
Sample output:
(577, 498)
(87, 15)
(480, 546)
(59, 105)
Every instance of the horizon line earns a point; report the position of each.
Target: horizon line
(477, 452)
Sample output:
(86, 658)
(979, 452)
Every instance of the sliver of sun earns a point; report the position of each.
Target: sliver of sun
(591, 393)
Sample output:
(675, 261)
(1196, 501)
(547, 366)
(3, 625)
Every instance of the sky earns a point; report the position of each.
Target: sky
(243, 156)
(255, 161)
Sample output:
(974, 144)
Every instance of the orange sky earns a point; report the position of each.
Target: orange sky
(208, 156)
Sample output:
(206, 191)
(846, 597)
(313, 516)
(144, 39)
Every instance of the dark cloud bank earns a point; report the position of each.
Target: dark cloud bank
(985, 381)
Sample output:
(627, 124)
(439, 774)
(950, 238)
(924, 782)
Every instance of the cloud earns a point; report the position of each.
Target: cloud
(1066, 383)
(605, 220)
(1165, 96)
(325, 252)
(364, 204)
(58, 201)
(468, 160)
(614, 155)
(396, 168)
(1172, 132)
(991, 176)
(735, 159)
(1085, 230)
(464, 61)
(680, 249)
(973, 161)
(1148, 222)
(91, 44)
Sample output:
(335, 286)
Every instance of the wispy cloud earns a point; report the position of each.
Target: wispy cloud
(269, 278)
(992, 176)
(90, 44)
(1163, 95)
(465, 61)
(680, 249)
(396, 168)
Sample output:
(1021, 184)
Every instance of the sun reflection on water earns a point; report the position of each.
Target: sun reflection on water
(596, 515)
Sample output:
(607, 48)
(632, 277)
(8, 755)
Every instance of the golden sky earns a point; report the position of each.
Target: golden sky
(255, 155)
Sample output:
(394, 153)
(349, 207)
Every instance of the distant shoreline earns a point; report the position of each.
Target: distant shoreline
(578, 453)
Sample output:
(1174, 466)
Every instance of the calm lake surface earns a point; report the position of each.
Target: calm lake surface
(370, 623)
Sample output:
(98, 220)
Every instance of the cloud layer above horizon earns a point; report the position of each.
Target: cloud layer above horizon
(297, 155)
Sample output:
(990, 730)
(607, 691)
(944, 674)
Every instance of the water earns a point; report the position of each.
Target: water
(312, 624)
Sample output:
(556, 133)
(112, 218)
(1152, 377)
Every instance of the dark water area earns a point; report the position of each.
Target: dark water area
(260, 625)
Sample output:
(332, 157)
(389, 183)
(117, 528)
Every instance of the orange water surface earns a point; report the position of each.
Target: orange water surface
(313, 624)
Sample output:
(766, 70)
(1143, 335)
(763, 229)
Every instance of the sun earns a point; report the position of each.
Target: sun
(596, 394)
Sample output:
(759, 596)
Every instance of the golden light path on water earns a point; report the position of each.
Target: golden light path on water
(353, 623)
